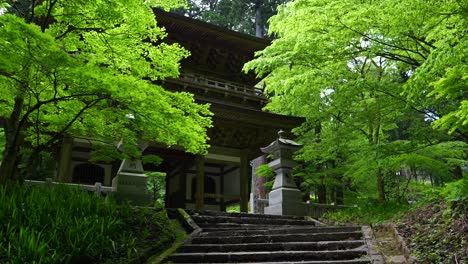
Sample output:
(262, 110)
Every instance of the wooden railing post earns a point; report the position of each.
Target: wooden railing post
(49, 182)
(98, 188)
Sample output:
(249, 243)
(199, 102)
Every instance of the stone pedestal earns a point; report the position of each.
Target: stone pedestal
(131, 183)
(285, 201)
(285, 198)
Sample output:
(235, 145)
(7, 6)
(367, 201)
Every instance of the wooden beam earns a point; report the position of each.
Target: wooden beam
(206, 173)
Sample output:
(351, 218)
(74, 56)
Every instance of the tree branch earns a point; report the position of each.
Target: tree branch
(72, 28)
(68, 125)
(48, 14)
(381, 42)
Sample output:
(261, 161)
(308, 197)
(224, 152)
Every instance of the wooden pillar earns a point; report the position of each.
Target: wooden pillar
(244, 181)
(200, 195)
(183, 185)
(221, 189)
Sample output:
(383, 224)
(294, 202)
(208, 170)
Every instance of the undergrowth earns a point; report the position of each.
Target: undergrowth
(66, 225)
(436, 232)
(370, 212)
(435, 228)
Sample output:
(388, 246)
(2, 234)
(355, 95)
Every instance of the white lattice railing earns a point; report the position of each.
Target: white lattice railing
(96, 188)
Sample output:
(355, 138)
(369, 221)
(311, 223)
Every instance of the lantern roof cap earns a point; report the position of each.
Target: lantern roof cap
(281, 143)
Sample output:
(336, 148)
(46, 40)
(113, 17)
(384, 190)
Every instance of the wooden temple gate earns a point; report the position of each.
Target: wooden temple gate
(213, 73)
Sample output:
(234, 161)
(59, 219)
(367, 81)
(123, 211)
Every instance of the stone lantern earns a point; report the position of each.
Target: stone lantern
(131, 182)
(285, 198)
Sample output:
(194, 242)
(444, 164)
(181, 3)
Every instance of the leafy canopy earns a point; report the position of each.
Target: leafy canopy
(372, 79)
(92, 68)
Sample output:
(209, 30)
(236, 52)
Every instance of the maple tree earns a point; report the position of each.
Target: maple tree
(83, 68)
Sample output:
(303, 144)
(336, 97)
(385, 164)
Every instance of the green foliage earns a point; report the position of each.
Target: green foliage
(66, 224)
(368, 212)
(152, 231)
(238, 15)
(435, 233)
(267, 172)
(234, 208)
(44, 226)
(91, 75)
(456, 191)
(373, 79)
(151, 159)
(371, 211)
(157, 187)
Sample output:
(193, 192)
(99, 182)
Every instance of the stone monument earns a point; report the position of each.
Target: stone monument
(285, 198)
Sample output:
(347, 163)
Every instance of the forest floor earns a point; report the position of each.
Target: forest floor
(436, 233)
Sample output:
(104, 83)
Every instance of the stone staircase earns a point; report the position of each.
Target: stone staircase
(221, 237)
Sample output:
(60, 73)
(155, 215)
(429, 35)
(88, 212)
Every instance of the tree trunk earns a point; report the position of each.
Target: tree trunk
(339, 192)
(331, 195)
(322, 192)
(8, 166)
(381, 185)
(258, 19)
(12, 143)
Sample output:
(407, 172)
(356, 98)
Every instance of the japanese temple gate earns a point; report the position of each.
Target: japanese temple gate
(240, 128)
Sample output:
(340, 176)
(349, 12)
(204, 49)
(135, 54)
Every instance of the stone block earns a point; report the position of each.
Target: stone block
(286, 201)
(285, 195)
(286, 209)
(132, 187)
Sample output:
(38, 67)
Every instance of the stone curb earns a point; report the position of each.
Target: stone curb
(391, 227)
(317, 222)
(374, 254)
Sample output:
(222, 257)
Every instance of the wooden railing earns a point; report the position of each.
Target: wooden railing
(221, 85)
(219, 196)
(97, 188)
(222, 196)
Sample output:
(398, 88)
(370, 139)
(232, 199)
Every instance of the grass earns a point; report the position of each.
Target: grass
(233, 208)
(371, 212)
(65, 225)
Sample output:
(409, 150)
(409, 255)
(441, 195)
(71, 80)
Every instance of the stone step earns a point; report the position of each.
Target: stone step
(249, 220)
(352, 261)
(234, 226)
(280, 230)
(235, 257)
(282, 246)
(263, 216)
(338, 236)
